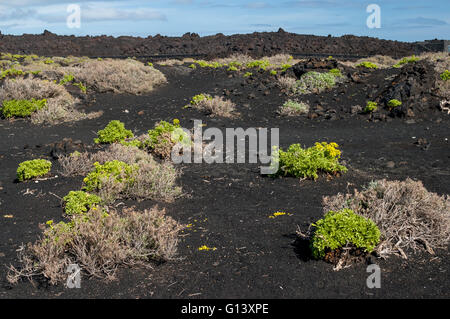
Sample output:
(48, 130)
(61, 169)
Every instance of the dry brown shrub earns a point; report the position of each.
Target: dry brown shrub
(82, 163)
(60, 104)
(408, 216)
(287, 83)
(217, 106)
(118, 76)
(151, 180)
(99, 241)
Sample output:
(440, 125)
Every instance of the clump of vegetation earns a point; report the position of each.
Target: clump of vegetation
(164, 137)
(309, 162)
(114, 132)
(136, 176)
(22, 108)
(68, 78)
(32, 169)
(371, 107)
(60, 106)
(445, 76)
(291, 108)
(232, 68)
(409, 217)
(197, 99)
(248, 74)
(314, 81)
(99, 241)
(336, 73)
(79, 202)
(343, 229)
(394, 103)
(406, 60)
(259, 64)
(115, 171)
(367, 65)
(215, 106)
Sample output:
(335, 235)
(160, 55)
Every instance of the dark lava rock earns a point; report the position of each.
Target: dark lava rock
(66, 147)
(313, 64)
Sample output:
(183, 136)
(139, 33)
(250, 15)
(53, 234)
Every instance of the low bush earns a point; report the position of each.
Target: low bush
(79, 202)
(22, 108)
(445, 76)
(114, 132)
(164, 137)
(343, 229)
(394, 103)
(214, 106)
(367, 65)
(60, 105)
(307, 163)
(371, 107)
(291, 108)
(34, 168)
(406, 60)
(409, 217)
(115, 171)
(314, 81)
(99, 241)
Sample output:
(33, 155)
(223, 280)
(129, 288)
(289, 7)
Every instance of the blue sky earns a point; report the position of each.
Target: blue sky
(405, 20)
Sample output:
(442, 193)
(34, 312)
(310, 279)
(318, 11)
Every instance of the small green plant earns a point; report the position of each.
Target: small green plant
(307, 163)
(113, 171)
(311, 81)
(68, 78)
(367, 65)
(164, 132)
(336, 73)
(205, 64)
(79, 202)
(260, 64)
(273, 72)
(343, 229)
(233, 68)
(114, 132)
(150, 64)
(291, 107)
(199, 98)
(193, 66)
(82, 87)
(34, 168)
(285, 67)
(371, 107)
(11, 73)
(21, 108)
(394, 103)
(445, 76)
(406, 60)
(248, 74)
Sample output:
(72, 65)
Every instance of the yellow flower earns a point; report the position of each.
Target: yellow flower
(206, 248)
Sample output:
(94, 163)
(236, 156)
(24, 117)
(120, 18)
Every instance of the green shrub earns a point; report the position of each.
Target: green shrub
(21, 108)
(445, 76)
(115, 171)
(367, 65)
(165, 130)
(79, 202)
(34, 168)
(336, 72)
(233, 68)
(291, 107)
(68, 78)
(273, 72)
(406, 60)
(200, 97)
(248, 74)
(114, 132)
(314, 81)
(371, 107)
(205, 64)
(285, 67)
(260, 64)
(394, 103)
(11, 73)
(342, 229)
(307, 163)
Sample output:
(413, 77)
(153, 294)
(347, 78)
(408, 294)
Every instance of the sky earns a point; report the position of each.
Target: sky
(403, 20)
